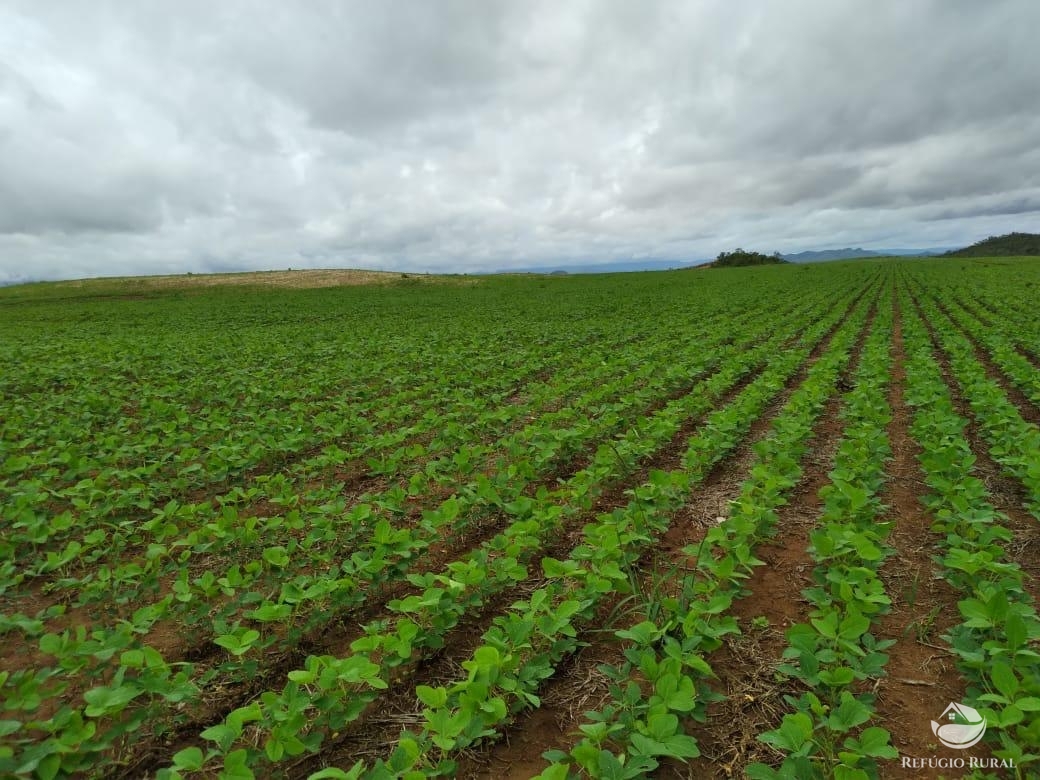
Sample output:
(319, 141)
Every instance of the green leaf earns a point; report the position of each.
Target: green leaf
(236, 766)
(838, 677)
(332, 773)
(874, 742)
(9, 727)
(1003, 678)
(554, 772)
(762, 772)
(643, 633)
(1011, 715)
(432, 697)
(269, 613)
(677, 746)
(51, 644)
(1015, 631)
(682, 746)
(854, 626)
(105, 700)
(238, 644)
(276, 556)
(843, 772)
(827, 626)
(849, 713)
(48, 767)
(223, 734)
(977, 613)
(794, 734)
(189, 759)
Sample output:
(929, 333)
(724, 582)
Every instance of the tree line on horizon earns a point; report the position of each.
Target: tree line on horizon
(742, 257)
(1010, 245)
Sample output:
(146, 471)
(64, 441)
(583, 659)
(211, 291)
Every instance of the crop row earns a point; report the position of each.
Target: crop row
(1000, 349)
(643, 722)
(210, 532)
(1013, 442)
(995, 643)
(464, 586)
(110, 702)
(176, 531)
(834, 652)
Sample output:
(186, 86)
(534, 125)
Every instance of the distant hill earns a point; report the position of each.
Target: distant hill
(829, 254)
(619, 266)
(1012, 244)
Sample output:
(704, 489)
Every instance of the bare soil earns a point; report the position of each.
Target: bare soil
(745, 664)
(922, 678)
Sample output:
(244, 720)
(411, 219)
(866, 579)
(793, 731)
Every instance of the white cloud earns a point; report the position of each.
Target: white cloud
(159, 137)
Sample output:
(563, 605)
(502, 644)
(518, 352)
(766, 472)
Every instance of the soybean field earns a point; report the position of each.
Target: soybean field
(758, 522)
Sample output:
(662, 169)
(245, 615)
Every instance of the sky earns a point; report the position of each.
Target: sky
(166, 137)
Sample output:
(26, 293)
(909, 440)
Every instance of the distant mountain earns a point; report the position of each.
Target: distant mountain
(659, 264)
(1011, 245)
(930, 251)
(821, 255)
(648, 264)
(829, 254)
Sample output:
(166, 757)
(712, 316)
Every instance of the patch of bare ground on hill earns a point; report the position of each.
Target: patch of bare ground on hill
(300, 279)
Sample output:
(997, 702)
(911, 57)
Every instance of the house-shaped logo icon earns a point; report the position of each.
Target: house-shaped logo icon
(959, 726)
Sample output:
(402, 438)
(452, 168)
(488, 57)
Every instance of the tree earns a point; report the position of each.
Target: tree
(740, 257)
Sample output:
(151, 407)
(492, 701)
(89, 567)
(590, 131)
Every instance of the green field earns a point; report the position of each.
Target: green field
(763, 522)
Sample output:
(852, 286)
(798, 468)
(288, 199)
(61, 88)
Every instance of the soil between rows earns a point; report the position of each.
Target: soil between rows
(922, 678)
(378, 734)
(577, 684)
(745, 664)
(518, 754)
(1026, 408)
(1006, 493)
(988, 318)
(337, 642)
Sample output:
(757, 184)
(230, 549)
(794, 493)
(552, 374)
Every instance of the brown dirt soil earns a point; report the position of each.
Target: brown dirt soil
(577, 686)
(745, 664)
(922, 677)
(1005, 493)
(1029, 410)
(988, 318)
(335, 636)
(555, 724)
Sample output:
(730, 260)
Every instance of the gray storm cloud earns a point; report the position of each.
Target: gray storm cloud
(472, 136)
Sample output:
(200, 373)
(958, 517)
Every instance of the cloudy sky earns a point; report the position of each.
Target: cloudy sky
(165, 137)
